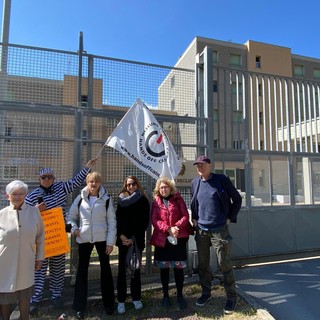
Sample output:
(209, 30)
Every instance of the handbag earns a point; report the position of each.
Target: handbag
(133, 257)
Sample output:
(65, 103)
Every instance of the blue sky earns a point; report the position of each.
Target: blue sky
(159, 31)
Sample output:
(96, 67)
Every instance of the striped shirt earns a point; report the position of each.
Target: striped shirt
(57, 194)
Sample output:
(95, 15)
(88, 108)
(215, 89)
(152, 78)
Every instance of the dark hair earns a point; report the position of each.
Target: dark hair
(139, 186)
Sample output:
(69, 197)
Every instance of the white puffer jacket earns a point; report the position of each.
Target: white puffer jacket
(95, 224)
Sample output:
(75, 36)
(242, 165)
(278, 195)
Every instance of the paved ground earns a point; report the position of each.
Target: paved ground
(288, 290)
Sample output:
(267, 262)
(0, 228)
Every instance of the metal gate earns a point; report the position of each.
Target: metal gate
(57, 109)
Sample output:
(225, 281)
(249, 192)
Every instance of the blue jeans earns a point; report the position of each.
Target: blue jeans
(220, 240)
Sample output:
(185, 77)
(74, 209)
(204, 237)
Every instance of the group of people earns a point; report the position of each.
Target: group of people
(95, 223)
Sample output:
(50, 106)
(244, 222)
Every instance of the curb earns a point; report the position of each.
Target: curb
(261, 311)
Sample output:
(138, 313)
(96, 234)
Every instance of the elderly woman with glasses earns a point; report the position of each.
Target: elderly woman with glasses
(170, 219)
(132, 221)
(21, 250)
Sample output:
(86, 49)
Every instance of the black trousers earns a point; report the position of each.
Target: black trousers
(135, 278)
(106, 280)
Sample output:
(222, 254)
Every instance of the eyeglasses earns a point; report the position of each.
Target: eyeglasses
(46, 177)
(133, 184)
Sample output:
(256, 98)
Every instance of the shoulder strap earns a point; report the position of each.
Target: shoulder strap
(79, 203)
(107, 203)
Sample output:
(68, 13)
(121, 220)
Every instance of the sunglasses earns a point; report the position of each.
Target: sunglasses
(131, 184)
(46, 177)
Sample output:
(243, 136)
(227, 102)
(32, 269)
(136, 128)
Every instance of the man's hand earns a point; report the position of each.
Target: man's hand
(38, 264)
(91, 163)
(41, 206)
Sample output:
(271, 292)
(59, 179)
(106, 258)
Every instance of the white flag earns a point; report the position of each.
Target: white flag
(140, 138)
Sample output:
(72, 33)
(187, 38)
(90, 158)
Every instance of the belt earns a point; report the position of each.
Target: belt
(209, 232)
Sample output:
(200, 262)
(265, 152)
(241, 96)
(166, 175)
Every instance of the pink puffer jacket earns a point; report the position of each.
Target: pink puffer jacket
(162, 218)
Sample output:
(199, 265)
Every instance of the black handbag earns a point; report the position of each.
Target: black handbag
(133, 258)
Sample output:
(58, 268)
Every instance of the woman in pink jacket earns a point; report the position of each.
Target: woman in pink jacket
(170, 217)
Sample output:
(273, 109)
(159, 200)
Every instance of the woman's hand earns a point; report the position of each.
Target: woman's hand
(109, 249)
(125, 241)
(174, 231)
(76, 232)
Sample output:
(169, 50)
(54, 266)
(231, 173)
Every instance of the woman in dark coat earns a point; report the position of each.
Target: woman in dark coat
(133, 212)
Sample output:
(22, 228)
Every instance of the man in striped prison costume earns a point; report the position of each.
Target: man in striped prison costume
(48, 195)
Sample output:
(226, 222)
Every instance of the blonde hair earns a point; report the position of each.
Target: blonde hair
(96, 176)
(166, 181)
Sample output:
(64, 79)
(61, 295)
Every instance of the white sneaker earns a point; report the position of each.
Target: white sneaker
(137, 304)
(121, 308)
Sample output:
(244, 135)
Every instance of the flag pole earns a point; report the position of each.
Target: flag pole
(100, 151)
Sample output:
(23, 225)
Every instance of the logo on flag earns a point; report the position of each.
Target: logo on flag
(140, 138)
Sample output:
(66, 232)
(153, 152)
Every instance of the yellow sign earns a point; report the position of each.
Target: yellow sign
(56, 239)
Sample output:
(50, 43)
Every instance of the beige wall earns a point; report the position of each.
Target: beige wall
(274, 59)
(70, 91)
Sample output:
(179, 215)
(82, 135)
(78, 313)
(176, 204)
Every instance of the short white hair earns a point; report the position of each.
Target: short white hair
(16, 184)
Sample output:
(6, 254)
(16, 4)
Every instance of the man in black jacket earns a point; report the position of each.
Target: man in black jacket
(214, 203)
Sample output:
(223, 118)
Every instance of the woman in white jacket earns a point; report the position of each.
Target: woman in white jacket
(21, 250)
(93, 221)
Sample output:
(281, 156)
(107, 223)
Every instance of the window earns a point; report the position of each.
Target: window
(235, 60)
(260, 117)
(238, 145)
(84, 100)
(237, 116)
(84, 137)
(8, 133)
(216, 143)
(215, 86)
(215, 56)
(10, 172)
(261, 178)
(261, 145)
(173, 105)
(316, 73)
(215, 115)
(260, 89)
(298, 70)
(234, 88)
(173, 79)
(258, 62)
